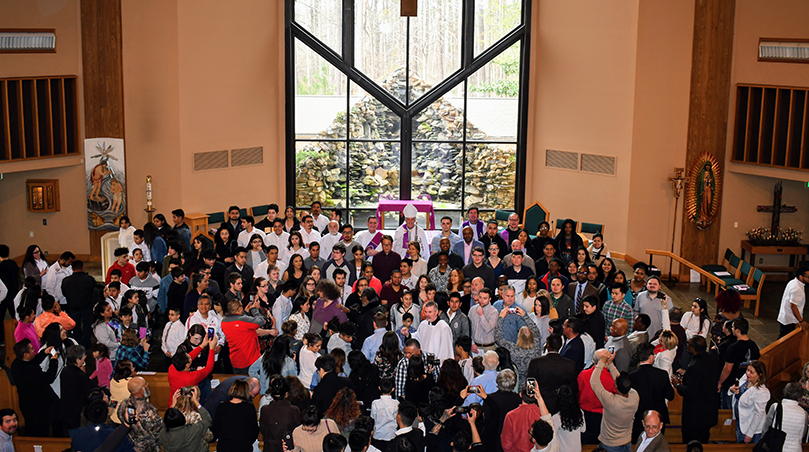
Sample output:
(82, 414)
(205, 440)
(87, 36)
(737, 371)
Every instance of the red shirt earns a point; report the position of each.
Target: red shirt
(242, 341)
(180, 379)
(587, 398)
(127, 272)
(516, 426)
(374, 283)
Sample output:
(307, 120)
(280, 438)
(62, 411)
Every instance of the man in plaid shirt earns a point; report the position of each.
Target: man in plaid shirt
(617, 308)
(412, 347)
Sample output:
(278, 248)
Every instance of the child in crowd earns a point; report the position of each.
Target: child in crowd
(125, 314)
(407, 322)
(103, 365)
(173, 333)
(383, 411)
(137, 257)
(113, 295)
(309, 354)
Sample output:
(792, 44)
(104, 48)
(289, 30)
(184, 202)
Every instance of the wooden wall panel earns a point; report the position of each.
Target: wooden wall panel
(708, 110)
(102, 62)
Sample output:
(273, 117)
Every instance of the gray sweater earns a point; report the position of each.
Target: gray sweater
(520, 356)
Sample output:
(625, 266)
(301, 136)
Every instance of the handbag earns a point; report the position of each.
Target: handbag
(773, 439)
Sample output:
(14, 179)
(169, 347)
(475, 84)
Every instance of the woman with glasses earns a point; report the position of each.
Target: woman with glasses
(35, 265)
(255, 253)
(494, 260)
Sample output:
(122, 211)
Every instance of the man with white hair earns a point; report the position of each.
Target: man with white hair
(330, 238)
(434, 334)
(512, 231)
(410, 232)
(487, 380)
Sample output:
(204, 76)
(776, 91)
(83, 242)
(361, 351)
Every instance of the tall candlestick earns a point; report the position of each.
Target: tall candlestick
(148, 191)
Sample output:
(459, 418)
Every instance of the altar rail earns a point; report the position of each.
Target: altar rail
(714, 279)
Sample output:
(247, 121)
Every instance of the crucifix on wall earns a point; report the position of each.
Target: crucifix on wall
(777, 208)
(410, 8)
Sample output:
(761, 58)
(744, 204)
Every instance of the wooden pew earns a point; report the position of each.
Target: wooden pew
(8, 333)
(27, 444)
(785, 358)
(159, 387)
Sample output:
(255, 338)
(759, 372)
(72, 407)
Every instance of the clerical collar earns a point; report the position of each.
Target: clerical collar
(434, 323)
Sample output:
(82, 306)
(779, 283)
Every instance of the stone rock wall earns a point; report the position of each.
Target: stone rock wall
(373, 167)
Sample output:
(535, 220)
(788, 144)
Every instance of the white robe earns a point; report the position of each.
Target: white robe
(327, 242)
(417, 234)
(435, 339)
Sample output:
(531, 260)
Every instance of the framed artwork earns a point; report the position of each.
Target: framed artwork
(704, 190)
(105, 179)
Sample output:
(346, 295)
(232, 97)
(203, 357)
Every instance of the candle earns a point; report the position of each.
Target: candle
(148, 191)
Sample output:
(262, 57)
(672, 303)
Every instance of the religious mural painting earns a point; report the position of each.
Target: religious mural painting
(704, 190)
(105, 179)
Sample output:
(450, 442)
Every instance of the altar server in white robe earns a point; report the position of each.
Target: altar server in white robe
(434, 335)
(410, 232)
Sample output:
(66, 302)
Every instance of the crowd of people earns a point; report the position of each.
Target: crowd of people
(487, 340)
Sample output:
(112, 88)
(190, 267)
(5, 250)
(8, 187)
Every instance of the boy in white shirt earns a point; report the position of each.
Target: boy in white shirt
(383, 411)
(173, 333)
(141, 245)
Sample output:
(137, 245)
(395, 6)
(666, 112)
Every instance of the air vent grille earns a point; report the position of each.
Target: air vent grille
(210, 160)
(247, 156)
(787, 51)
(562, 159)
(600, 164)
(24, 41)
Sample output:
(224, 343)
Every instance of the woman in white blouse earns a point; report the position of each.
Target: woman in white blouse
(309, 354)
(295, 246)
(126, 235)
(405, 306)
(664, 358)
(696, 321)
(750, 397)
(793, 417)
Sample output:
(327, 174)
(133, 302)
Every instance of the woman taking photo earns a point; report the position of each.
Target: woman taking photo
(35, 265)
(193, 340)
(186, 424)
(225, 243)
(529, 341)
(236, 425)
(750, 397)
(134, 350)
(494, 260)
(327, 305)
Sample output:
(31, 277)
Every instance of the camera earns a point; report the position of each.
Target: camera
(473, 389)
(512, 310)
(186, 391)
(432, 360)
(612, 350)
(130, 414)
(461, 410)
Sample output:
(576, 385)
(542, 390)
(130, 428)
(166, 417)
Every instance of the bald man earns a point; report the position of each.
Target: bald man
(652, 438)
(464, 247)
(512, 231)
(144, 433)
(623, 350)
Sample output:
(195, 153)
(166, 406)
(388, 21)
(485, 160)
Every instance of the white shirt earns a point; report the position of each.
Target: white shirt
(327, 242)
(383, 411)
(213, 321)
(410, 281)
(54, 277)
(365, 237)
(287, 254)
(281, 309)
(173, 336)
(280, 241)
(261, 269)
(147, 255)
(3, 292)
(793, 294)
(468, 370)
(309, 237)
(308, 369)
(321, 222)
(244, 237)
(692, 326)
(417, 234)
(589, 349)
(126, 237)
(6, 444)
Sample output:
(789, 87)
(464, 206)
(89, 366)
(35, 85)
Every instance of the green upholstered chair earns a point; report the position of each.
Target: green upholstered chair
(756, 282)
(723, 267)
(533, 215)
(591, 228)
(214, 219)
(259, 211)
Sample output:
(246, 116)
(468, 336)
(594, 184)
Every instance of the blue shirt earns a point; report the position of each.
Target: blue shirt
(162, 293)
(372, 343)
(489, 382)
(511, 323)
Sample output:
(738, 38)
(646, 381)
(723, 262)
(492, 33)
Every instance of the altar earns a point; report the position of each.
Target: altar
(792, 251)
(395, 205)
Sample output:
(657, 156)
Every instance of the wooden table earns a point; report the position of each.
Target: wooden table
(792, 251)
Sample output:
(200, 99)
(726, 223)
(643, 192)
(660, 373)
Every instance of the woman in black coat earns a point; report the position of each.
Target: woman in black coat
(75, 386)
(567, 241)
(235, 423)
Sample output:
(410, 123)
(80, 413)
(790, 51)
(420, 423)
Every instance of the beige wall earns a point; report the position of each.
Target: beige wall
(747, 186)
(65, 229)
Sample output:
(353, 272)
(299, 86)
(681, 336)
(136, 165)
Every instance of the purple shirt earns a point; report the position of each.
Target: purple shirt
(324, 314)
(27, 331)
(385, 264)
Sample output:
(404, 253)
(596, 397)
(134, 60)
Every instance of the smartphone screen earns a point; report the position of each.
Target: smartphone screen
(142, 332)
(210, 333)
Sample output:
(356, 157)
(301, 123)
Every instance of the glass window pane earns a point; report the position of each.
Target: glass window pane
(490, 175)
(320, 173)
(493, 20)
(442, 120)
(380, 44)
(437, 173)
(320, 96)
(370, 118)
(322, 18)
(492, 106)
(374, 173)
(435, 44)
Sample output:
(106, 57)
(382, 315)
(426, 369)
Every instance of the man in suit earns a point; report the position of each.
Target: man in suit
(574, 346)
(464, 247)
(653, 388)
(330, 383)
(552, 371)
(240, 266)
(620, 343)
(697, 386)
(581, 288)
(455, 261)
(652, 439)
(639, 336)
(405, 417)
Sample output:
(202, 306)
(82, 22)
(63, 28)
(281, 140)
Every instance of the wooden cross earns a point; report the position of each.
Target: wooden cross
(410, 8)
(777, 208)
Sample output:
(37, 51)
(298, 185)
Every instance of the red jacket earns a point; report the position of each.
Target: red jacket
(587, 398)
(516, 426)
(179, 379)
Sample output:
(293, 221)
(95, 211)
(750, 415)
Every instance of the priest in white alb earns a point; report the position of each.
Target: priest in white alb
(434, 334)
(410, 232)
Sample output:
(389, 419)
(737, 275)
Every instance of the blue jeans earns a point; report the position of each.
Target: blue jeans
(740, 436)
(726, 401)
(624, 448)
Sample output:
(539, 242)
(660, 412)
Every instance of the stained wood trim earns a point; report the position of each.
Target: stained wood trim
(8, 120)
(805, 136)
(35, 116)
(788, 152)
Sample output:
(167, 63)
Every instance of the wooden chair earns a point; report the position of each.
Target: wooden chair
(755, 280)
(533, 215)
(714, 268)
(734, 268)
(743, 270)
(9, 326)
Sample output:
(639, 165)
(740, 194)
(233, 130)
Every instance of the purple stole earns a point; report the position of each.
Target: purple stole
(478, 227)
(375, 241)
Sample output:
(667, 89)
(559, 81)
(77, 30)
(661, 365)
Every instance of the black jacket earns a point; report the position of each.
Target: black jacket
(247, 277)
(552, 371)
(78, 291)
(495, 408)
(654, 388)
(75, 385)
(455, 261)
(501, 244)
(700, 401)
(34, 385)
(327, 389)
(416, 436)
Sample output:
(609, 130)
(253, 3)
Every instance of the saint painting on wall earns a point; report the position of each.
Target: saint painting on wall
(105, 181)
(704, 191)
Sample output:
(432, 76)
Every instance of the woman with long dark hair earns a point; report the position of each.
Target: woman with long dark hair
(186, 424)
(276, 360)
(301, 306)
(296, 271)
(365, 377)
(355, 299)
(451, 379)
(155, 242)
(119, 386)
(567, 241)
(192, 340)
(255, 251)
(236, 425)
(198, 247)
(388, 355)
(696, 321)
(418, 383)
(294, 246)
(569, 421)
(291, 221)
(106, 330)
(225, 243)
(159, 220)
(55, 336)
(606, 271)
(34, 264)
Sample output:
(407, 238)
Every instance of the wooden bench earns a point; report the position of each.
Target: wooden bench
(159, 386)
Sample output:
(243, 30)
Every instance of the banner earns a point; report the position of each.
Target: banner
(105, 181)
